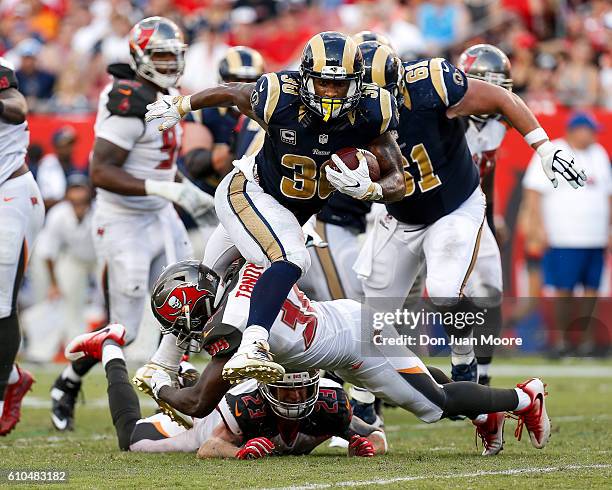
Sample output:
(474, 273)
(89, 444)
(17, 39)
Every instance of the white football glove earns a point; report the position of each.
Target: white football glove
(311, 237)
(159, 379)
(170, 109)
(557, 160)
(187, 195)
(355, 183)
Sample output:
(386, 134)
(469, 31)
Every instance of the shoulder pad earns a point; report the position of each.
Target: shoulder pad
(249, 409)
(7, 78)
(129, 98)
(379, 107)
(270, 89)
(333, 409)
(433, 84)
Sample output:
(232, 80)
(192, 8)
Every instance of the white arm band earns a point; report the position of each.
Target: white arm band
(538, 134)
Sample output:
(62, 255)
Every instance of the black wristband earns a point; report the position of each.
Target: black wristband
(1, 107)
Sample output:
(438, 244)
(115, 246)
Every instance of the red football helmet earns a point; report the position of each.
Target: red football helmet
(183, 300)
(157, 51)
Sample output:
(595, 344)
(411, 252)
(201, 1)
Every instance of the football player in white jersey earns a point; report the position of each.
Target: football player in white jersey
(21, 217)
(484, 135)
(133, 166)
(251, 421)
(202, 311)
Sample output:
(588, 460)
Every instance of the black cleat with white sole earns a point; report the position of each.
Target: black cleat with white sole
(63, 399)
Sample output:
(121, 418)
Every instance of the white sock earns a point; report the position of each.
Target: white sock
(69, 373)
(462, 354)
(483, 369)
(254, 333)
(168, 354)
(111, 351)
(1, 407)
(523, 399)
(14, 376)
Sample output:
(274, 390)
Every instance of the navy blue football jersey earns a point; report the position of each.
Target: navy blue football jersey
(440, 173)
(345, 211)
(297, 142)
(220, 121)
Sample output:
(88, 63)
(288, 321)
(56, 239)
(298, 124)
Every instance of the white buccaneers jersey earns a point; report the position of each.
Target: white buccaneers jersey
(304, 333)
(152, 154)
(14, 138)
(483, 142)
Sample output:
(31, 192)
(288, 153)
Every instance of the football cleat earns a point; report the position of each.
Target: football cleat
(13, 396)
(63, 399)
(142, 381)
(490, 429)
(90, 344)
(253, 361)
(465, 372)
(534, 417)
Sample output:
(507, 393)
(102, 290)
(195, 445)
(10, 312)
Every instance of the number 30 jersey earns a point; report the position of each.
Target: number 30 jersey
(440, 173)
(298, 142)
(303, 334)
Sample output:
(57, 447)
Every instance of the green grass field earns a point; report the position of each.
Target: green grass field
(441, 455)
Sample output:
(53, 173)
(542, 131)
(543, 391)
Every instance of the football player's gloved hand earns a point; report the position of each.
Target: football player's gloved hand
(355, 183)
(159, 379)
(170, 109)
(360, 446)
(256, 448)
(557, 160)
(187, 195)
(312, 238)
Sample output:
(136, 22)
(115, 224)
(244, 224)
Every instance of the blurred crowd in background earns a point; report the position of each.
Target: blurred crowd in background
(561, 54)
(560, 49)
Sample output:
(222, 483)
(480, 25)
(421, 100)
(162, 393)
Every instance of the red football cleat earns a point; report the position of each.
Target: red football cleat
(490, 429)
(90, 344)
(12, 401)
(534, 417)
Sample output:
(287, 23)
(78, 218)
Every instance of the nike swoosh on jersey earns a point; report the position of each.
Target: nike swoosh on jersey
(8, 199)
(237, 412)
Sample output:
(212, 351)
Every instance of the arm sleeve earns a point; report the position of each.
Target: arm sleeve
(265, 96)
(121, 131)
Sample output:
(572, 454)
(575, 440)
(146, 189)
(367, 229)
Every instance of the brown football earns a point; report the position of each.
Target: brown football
(350, 159)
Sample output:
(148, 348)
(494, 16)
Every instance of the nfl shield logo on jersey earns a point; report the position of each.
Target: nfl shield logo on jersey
(323, 139)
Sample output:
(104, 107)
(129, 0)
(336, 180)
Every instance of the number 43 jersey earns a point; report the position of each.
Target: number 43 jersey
(440, 174)
(303, 334)
(298, 142)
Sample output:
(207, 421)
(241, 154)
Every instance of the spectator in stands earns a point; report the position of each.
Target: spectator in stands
(605, 80)
(54, 168)
(578, 80)
(442, 22)
(574, 225)
(540, 95)
(202, 58)
(36, 84)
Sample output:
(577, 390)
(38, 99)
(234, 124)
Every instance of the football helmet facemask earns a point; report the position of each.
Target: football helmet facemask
(183, 300)
(382, 67)
(241, 64)
(332, 56)
(150, 38)
(294, 396)
(489, 63)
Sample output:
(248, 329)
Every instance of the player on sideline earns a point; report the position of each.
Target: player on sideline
(291, 416)
(328, 335)
(22, 213)
(136, 229)
(308, 116)
(437, 226)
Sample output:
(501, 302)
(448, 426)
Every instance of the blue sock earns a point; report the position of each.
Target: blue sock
(270, 292)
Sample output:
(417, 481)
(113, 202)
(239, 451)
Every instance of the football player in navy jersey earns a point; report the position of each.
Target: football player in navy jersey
(308, 116)
(206, 167)
(438, 223)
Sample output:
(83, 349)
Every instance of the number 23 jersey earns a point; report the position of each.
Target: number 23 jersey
(439, 170)
(298, 142)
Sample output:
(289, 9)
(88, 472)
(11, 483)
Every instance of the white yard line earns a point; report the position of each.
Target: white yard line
(381, 481)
